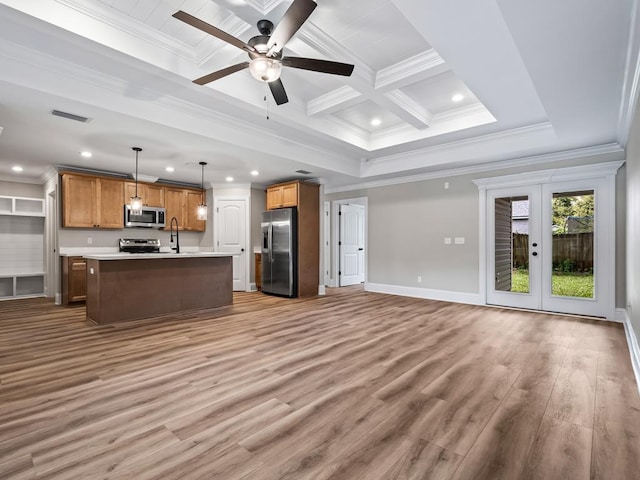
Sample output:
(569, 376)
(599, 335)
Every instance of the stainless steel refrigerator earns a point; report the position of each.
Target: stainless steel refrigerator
(279, 247)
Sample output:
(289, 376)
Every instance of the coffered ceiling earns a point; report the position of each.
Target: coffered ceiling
(437, 85)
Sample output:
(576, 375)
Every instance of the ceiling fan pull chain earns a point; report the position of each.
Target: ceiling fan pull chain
(266, 101)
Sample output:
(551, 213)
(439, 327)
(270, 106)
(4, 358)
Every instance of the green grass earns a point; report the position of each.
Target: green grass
(562, 284)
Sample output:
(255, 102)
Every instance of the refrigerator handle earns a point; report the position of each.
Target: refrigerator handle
(271, 243)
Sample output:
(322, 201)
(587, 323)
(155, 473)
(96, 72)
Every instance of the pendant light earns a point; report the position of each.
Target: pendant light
(136, 201)
(202, 208)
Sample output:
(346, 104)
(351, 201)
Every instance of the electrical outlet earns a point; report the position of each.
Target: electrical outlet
(459, 240)
(446, 185)
(447, 240)
(89, 240)
(419, 279)
(91, 272)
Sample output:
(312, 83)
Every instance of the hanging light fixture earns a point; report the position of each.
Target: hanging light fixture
(202, 208)
(136, 201)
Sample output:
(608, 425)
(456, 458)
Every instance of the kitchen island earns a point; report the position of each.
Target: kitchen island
(124, 286)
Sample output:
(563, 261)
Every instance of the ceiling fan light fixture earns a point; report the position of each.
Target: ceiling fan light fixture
(265, 69)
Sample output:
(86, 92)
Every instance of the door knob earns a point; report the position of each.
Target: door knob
(242, 249)
(534, 244)
(361, 249)
(535, 254)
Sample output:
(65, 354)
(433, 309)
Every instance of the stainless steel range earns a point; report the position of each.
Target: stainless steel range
(139, 245)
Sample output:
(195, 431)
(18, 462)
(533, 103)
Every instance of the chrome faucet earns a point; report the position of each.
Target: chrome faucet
(177, 247)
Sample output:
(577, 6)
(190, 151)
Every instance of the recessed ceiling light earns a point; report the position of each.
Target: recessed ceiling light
(170, 169)
(375, 122)
(255, 173)
(17, 168)
(229, 179)
(86, 154)
(458, 97)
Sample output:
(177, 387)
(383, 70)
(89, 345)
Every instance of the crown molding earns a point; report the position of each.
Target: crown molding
(595, 170)
(631, 85)
(611, 148)
(411, 67)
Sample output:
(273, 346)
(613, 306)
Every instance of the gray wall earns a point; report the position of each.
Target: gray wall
(633, 224)
(407, 224)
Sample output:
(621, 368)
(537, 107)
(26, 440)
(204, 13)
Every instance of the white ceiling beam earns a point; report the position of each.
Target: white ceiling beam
(406, 108)
(335, 100)
(411, 70)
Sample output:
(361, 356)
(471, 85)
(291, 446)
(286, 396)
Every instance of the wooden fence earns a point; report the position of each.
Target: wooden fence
(571, 251)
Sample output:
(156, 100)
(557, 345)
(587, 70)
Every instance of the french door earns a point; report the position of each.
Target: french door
(550, 247)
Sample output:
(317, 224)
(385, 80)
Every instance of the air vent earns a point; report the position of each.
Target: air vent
(303, 172)
(70, 116)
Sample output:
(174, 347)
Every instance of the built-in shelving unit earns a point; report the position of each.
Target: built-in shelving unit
(21, 247)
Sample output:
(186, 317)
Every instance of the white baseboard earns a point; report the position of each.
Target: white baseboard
(57, 299)
(426, 293)
(252, 287)
(322, 290)
(634, 350)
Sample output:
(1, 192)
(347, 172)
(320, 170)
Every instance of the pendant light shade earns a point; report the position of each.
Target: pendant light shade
(202, 208)
(136, 201)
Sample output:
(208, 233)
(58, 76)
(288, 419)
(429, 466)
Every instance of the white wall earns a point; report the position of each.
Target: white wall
(633, 225)
(17, 189)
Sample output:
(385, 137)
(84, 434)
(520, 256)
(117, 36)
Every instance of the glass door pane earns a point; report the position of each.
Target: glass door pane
(512, 244)
(513, 237)
(573, 214)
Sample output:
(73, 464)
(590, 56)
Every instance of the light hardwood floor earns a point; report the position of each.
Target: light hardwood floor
(352, 385)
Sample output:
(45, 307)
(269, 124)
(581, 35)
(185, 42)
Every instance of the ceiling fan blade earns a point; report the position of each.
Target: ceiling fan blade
(211, 30)
(277, 90)
(324, 66)
(221, 73)
(290, 23)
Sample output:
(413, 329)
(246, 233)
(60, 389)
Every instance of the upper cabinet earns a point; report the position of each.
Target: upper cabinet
(92, 202)
(152, 195)
(282, 195)
(98, 202)
(182, 204)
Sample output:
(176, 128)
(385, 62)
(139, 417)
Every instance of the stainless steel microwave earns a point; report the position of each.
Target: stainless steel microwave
(151, 217)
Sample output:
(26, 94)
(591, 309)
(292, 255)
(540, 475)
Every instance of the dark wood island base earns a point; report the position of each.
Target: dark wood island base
(134, 288)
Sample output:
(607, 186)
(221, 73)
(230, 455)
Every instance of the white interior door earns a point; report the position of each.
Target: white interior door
(351, 244)
(551, 247)
(231, 232)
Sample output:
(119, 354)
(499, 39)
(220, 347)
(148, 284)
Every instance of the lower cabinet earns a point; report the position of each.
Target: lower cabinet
(258, 270)
(74, 279)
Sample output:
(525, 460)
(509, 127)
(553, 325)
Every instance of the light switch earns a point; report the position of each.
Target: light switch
(447, 240)
(459, 240)
(91, 271)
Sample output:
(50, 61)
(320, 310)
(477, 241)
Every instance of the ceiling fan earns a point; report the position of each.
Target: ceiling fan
(265, 50)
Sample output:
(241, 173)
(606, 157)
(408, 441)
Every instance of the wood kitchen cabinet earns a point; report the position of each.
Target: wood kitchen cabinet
(182, 203)
(92, 202)
(152, 195)
(74, 279)
(282, 195)
(306, 198)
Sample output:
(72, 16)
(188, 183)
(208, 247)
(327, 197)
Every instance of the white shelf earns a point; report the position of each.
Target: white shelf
(21, 247)
(22, 206)
(21, 285)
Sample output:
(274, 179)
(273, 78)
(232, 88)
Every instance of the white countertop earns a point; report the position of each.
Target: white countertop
(147, 256)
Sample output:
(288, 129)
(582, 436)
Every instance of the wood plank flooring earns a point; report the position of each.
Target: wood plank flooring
(352, 385)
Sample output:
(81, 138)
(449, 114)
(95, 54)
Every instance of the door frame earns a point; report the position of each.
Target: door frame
(335, 237)
(247, 231)
(605, 171)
